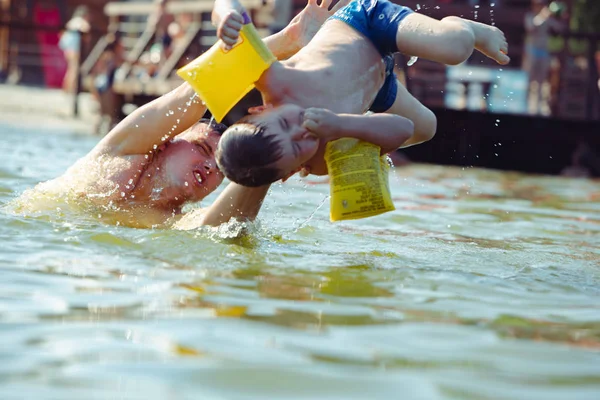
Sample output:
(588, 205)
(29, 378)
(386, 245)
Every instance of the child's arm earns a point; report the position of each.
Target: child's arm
(387, 131)
(227, 16)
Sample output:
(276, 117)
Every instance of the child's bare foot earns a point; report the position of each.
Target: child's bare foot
(490, 41)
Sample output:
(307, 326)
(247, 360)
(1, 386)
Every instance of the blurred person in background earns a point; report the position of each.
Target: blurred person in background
(70, 44)
(585, 162)
(540, 22)
(103, 76)
(161, 22)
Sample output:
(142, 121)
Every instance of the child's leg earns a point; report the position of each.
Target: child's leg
(423, 118)
(451, 40)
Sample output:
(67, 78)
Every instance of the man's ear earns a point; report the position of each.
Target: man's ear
(259, 109)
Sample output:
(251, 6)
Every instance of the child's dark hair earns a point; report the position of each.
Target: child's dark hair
(247, 154)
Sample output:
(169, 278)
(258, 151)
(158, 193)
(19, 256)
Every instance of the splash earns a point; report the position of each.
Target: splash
(312, 214)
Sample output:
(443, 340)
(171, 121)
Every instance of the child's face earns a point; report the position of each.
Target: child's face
(298, 145)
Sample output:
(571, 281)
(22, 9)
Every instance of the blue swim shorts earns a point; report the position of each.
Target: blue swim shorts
(378, 20)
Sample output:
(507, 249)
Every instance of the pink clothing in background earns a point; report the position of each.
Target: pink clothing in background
(54, 65)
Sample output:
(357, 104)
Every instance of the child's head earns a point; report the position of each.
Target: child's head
(266, 146)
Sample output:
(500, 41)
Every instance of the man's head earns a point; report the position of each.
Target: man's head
(266, 146)
(184, 169)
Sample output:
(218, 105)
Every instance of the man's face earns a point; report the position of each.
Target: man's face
(187, 167)
(298, 145)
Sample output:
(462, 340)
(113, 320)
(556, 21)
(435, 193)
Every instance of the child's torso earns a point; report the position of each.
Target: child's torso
(339, 69)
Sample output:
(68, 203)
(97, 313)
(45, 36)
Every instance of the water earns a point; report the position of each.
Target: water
(482, 285)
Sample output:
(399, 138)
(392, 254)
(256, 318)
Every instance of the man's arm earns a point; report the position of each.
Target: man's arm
(387, 131)
(154, 123)
(236, 201)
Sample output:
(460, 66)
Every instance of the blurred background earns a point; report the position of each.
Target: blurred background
(544, 108)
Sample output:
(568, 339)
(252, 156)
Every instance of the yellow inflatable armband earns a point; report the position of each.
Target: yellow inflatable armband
(222, 77)
(359, 180)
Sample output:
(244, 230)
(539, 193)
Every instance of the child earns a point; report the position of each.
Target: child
(344, 71)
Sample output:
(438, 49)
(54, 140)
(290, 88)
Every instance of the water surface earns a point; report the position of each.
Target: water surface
(481, 285)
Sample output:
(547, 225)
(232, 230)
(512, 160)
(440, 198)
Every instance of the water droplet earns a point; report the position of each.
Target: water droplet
(171, 112)
(137, 126)
(122, 194)
(146, 156)
(412, 61)
(186, 184)
(130, 181)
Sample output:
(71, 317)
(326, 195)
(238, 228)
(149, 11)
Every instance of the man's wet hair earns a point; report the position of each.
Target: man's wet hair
(247, 154)
(214, 126)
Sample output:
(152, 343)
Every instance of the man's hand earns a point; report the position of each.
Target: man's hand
(229, 28)
(324, 123)
(306, 24)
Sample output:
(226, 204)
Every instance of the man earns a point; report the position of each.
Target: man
(160, 157)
